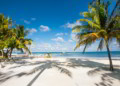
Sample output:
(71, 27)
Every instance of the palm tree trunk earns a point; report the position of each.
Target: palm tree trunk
(6, 54)
(109, 56)
(99, 2)
(2, 53)
(11, 52)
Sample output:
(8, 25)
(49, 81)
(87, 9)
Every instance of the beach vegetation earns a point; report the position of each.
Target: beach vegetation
(99, 24)
(12, 37)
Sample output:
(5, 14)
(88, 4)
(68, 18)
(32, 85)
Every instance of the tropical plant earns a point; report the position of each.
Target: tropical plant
(99, 24)
(19, 41)
(12, 38)
(5, 33)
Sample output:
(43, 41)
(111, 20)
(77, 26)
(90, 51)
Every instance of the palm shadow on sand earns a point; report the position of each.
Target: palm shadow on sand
(106, 77)
(63, 68)
(41, 67)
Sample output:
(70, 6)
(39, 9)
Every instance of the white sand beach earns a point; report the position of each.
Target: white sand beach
(60, 72)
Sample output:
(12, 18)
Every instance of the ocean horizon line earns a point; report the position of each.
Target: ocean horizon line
(75, 54)
(73, 51)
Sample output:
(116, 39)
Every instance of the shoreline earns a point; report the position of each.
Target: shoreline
(42, 56)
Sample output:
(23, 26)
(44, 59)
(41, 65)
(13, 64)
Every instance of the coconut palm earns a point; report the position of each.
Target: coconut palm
(5, 32)
(99, 24)
(19, 41)
(12, 38)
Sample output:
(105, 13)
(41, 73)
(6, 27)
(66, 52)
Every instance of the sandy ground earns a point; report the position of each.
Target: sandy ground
(60, 72)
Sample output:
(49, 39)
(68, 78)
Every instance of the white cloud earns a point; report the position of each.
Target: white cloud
(64, 47)
(33, 19)
(58, 39)
(26, 22)
(61, 34)
(51, 47)
(60, 47)
(70, 40)
(33, 30)
(71, 25)
(44, 28)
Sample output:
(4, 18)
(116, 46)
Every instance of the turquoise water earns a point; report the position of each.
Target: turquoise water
(114, 54)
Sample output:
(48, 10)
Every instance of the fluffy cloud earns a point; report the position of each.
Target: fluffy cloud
(71, 25)
(51, 47)
(60, 47)
(64, 47)
(26, 22)
(58, 39)
(44, 28)
(61, 34)
(33, 30)
(33, 19)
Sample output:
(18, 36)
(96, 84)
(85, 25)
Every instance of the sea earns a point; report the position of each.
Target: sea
(103, 54)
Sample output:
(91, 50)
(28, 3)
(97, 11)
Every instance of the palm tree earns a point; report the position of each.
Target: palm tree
(19, 41)
(99, 24)
(5, 33)
(12, 38)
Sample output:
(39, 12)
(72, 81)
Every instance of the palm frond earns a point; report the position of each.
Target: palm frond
(91, 23)
(64, 70)
(87, 14)
(114, 34)
(103, 34)
(78, 28)
(27, 49)
(87, 39)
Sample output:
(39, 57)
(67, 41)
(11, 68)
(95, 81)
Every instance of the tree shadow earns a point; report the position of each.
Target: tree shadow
(34, 79)
(107, 77)
(105, 81)
(96, 68)
(76, 62)
(41, 66)
(51, 64)
(2, 75)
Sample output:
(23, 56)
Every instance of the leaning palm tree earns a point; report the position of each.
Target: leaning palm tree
(99, 24)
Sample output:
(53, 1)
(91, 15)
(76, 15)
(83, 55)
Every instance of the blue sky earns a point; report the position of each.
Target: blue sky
(50, 22)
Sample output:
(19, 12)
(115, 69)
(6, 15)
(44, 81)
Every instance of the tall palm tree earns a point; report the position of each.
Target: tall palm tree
(99, 24)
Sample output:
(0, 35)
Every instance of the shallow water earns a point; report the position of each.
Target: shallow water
(114, 54)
